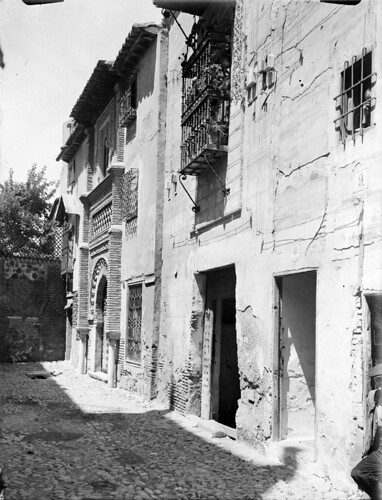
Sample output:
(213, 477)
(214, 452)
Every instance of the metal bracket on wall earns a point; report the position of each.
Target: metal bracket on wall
(195, 208)
(166, 14)
(224, 189)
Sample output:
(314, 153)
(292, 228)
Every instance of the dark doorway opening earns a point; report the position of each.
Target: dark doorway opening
(101, 348)
(374, 326)
(104, 351)
(296, 356)
(220, 324)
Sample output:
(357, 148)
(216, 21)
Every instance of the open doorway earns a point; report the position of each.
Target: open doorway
(101, 354)
(374, 328)
(296, 356)
(221, 381)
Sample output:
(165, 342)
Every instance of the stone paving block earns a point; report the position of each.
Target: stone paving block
(91, 442)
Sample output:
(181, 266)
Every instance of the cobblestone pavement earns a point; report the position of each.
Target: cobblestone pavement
(70, 437)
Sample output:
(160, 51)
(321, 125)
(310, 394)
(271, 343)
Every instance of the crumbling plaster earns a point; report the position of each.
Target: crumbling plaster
(305, 190)
(307, 203)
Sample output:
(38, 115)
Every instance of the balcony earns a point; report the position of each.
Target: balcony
(205, 104)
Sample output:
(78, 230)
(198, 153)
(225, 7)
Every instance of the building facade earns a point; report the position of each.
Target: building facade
(224, 184)
(111, 213)
(271, 271)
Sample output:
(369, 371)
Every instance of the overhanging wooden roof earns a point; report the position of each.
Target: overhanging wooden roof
(140, 36)
(194, 7)
(96, 94)
(72, 144)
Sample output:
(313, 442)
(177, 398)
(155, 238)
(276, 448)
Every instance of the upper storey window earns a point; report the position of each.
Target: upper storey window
(206, 95)
(105, 156)
(128, 105)
(356, 102)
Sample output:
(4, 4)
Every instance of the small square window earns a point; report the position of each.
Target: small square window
(251, 93)
(355, 102)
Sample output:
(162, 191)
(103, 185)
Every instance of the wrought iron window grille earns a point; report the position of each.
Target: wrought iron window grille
(101, 220)
(206, 102)
(355, 102)
(128, 191)
(134, 325)
(127, 109)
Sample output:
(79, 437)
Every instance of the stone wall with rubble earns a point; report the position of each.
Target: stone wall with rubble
(32, 317)
(307, 203)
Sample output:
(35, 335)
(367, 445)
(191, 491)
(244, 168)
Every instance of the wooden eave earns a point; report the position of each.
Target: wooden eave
(194, 7)
(96, 94)
(72, 144)
(140, 36)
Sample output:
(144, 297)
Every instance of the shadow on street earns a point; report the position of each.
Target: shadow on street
(53, 449)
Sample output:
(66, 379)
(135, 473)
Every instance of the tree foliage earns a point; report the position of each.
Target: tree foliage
(24, 219)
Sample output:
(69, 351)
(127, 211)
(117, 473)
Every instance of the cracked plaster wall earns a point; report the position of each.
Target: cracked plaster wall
(316, 204)
(141, 255)
(307, 203)
(141, 152)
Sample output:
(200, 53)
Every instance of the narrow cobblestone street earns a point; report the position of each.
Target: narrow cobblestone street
(71, 437)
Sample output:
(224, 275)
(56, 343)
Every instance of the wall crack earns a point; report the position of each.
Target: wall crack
(304, 92)
(326, 155)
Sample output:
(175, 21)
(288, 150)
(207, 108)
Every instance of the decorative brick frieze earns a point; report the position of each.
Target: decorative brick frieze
(99, 194)
(85, 219)
(75, 310)
(82, 314)
(100, 270)
(120, 144)
(116, 171)
(114, 281)
(99, 247)
(237, 78)
(89, 177)
(106, 126)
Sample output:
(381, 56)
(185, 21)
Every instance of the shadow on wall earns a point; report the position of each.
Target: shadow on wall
(57, 440)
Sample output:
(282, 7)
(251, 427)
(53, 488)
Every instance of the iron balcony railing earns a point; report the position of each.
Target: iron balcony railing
(127, 112)
(205, 103)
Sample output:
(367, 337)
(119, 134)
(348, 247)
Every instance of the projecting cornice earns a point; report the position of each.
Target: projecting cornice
(140, 36)
(96, 94)
(72, 144)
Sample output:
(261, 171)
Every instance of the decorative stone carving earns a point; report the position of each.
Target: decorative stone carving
(100, 270)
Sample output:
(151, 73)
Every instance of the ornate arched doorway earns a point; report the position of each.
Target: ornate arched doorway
(98, 313)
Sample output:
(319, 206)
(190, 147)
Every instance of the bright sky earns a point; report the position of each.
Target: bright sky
(50, 52)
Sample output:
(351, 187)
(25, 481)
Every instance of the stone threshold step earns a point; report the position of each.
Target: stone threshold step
(101, 376)
(215, 428)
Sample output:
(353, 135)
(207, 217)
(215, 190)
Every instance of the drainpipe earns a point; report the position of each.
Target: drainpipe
(112, 364)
